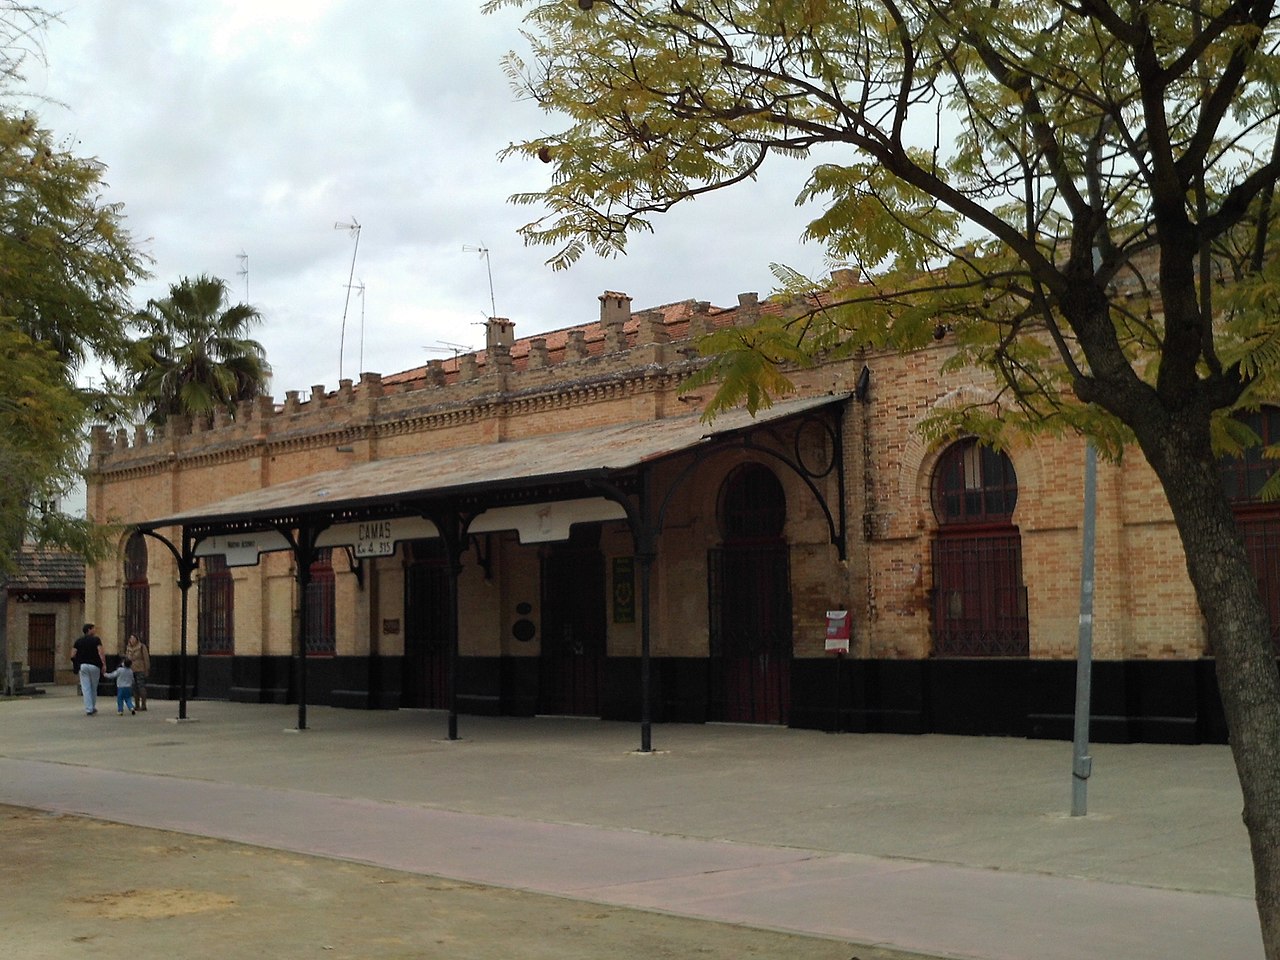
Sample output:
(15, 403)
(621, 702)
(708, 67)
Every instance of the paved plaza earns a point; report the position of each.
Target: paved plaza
(949, 846)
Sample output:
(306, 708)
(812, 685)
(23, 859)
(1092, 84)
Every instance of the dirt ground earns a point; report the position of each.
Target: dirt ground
(78, 888)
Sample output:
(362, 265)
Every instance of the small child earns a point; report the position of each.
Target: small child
(123, 676)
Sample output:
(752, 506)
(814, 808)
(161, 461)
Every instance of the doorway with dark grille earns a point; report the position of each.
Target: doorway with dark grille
(574, 625)
(42, 640)
(424, 680)
(749, 599)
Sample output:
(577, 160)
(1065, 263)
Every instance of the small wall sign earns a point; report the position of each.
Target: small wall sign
(839, 630)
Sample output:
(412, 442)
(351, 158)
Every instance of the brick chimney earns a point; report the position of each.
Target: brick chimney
(614, 308)
(499, 332)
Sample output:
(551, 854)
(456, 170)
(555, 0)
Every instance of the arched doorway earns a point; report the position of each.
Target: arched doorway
(1243, 478)
(749, 598)
(979, 600)
(424, 680)
(215, 608)
(574, 627)
(137, 591)
(322, 637)
(215, 629)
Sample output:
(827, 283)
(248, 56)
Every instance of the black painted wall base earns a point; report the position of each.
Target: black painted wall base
(1147, 701)
(1133, 701)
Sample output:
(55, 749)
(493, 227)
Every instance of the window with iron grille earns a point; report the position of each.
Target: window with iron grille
(137, 591)
(215, 634)
(974, 484)
(1243, 477)
(979, 599)
(321, 637)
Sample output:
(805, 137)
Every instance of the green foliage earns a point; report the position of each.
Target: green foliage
(66, 265)
(42, 419)
(1055, 187)
(193, 356)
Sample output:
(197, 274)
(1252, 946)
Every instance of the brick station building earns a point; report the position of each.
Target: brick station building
(548, 527)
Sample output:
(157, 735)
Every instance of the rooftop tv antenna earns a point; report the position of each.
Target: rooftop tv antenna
(444, 346)
(352, 228)
(244, 271)
(484, 252)
(359, 287)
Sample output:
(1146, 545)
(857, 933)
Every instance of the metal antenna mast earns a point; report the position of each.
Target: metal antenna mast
(244, 271)
(484, 252)
(352, 228)
(360, 292)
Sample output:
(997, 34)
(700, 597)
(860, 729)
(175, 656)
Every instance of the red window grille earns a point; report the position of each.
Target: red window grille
(321, 636)
(979, 599)
(1258, 520)
(137, 591)
(215, 632)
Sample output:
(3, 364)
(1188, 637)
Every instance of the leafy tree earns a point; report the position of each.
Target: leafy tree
(66, 265)
(194, 356)
(1082, 191)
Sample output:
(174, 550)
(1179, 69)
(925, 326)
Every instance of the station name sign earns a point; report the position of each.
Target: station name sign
(377, 538)
(242, 549)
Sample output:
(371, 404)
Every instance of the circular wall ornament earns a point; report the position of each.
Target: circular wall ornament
(815, 447)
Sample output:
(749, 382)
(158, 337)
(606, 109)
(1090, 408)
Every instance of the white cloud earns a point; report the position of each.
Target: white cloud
(243, 125)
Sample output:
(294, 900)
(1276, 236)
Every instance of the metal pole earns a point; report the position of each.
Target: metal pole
(1081, 762)
(184, 584)
(646, 722)
(455, 570)
(304, 553)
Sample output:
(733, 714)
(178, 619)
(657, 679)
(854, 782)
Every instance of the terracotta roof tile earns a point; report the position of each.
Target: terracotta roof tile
(40, 568)
(675, 318)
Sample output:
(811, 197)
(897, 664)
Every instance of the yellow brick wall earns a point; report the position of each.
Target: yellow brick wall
(1143, 608)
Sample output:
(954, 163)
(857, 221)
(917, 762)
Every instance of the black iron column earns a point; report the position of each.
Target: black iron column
(186, 567)
(186, 561)
(645, 560)
(452, 527)
(455, 569)
(304, 553)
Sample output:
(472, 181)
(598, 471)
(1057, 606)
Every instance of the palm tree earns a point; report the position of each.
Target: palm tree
(194, 356)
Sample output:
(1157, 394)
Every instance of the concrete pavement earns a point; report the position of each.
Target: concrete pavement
(955, 847)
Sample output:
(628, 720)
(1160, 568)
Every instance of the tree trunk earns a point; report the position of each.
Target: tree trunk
(1239, 631)
(4, 631)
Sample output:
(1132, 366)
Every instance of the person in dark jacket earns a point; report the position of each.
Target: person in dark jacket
(89, 662)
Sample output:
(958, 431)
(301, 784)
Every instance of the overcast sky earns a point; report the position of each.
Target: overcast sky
(252, 127)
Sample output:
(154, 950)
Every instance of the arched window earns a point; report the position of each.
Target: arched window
(1259, 520)
(1244, 475)
(753, 505)
(215, 630)
(137, 591)
(974, 484)
(979, 600)
(321, 638)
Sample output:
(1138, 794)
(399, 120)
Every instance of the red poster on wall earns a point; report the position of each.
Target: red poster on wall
(839, 630)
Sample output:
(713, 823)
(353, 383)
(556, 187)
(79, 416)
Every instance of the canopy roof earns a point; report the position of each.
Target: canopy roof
(558, 459)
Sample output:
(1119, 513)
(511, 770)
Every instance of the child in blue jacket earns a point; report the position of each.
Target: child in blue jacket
(123, 676)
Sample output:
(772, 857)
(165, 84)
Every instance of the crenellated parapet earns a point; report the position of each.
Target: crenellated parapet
(620, 353)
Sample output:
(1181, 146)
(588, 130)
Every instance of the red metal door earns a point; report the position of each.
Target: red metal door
(979, 601)
(750, 591)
